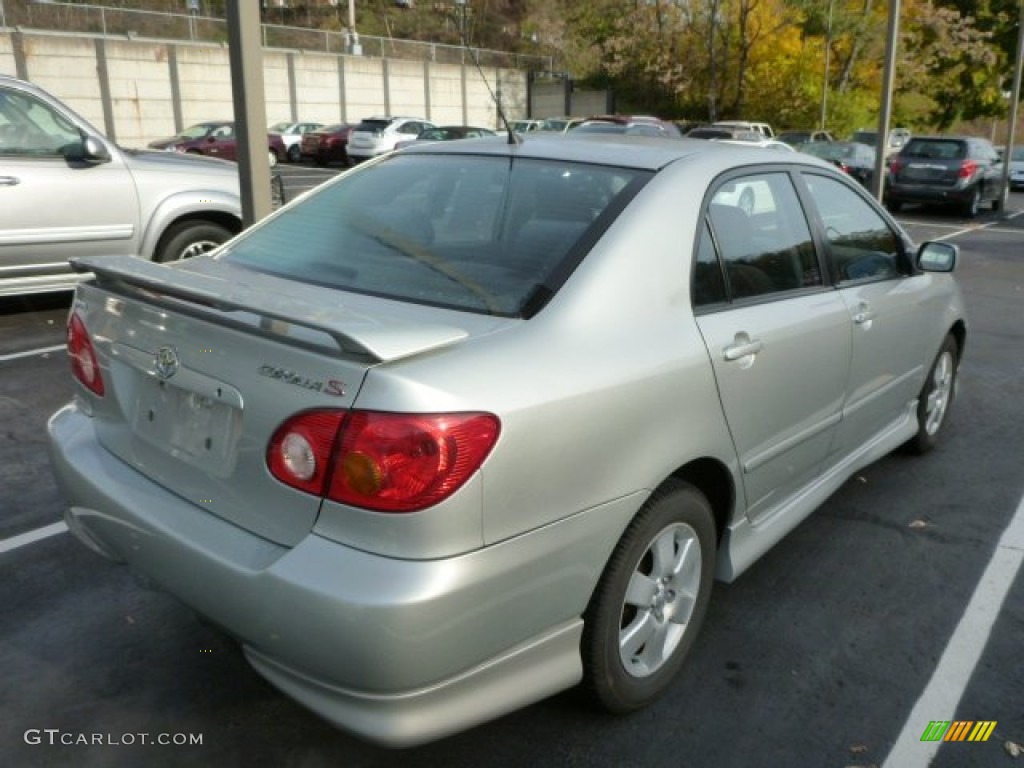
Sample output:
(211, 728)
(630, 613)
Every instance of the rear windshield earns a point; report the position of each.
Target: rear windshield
(481, 234)
(935, 149)
(373, 126)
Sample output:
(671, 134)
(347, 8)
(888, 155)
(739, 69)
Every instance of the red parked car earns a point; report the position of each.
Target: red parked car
(327, 144)
(217, 139)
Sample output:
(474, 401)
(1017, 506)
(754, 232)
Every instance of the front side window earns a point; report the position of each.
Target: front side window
(481, 234)
(762, 236)
(861, 244)
(31, 128)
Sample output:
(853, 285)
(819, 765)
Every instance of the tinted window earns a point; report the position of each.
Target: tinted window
(474, 233)
(708, 283)
(762, 236)
(373, 126)
(861, 244)
(935, 149)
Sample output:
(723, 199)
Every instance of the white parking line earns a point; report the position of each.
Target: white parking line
(31, 353)
(21, 540)
(943, 692)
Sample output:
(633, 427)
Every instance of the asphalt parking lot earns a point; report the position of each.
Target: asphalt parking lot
(894, 605)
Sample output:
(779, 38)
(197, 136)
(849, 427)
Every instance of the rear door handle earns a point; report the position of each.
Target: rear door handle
(9, 181)
(864, 315)
(744, 347)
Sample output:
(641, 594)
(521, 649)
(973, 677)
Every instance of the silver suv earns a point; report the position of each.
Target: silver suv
(67, 191)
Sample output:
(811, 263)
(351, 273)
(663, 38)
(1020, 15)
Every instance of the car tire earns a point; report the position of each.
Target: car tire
(651, 599)
(321, 161)
(973, 204)
(936, 397)
(999, 201)
(190, 238)
(294, 153)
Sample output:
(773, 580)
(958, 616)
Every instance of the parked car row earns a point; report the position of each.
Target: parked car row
(217, 138)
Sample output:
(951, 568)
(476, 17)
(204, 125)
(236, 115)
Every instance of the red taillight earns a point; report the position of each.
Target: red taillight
(967, 169)
(895, 165)
(82, 355)
(388, 462)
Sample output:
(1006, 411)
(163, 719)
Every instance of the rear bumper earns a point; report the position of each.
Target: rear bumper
(397, 651)
(923, 193)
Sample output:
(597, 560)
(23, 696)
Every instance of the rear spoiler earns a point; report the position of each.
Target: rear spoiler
(380, 338)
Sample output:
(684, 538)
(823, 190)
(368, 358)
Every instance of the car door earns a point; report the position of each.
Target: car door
(222, 143)
(777, 336)
(53, 208)
(886, 304)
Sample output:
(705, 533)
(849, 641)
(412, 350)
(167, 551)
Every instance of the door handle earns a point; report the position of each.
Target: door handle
(864, 315)
(9, 181)
(744, 347)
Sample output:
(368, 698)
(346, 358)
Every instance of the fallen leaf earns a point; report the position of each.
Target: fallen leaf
(1014, 749)
(129, 619)
(858, 749)
(918, 524)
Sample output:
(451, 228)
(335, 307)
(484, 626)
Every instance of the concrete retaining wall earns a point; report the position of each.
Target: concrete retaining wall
(139, 90)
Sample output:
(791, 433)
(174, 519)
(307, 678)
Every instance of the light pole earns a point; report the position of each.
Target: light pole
(1018, 72)
(353, 37)
(828, 52)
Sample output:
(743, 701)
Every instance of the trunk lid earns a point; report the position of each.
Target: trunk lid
(203, 361)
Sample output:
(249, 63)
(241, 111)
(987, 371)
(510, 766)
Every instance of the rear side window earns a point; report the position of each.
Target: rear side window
(482, 234)
(762, 238)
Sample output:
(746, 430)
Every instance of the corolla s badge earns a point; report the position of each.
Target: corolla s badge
(166, 362)
(332, 387)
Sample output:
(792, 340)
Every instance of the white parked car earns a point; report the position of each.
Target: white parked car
(291, 135)
(378, 135)
(1017, 167)
(745, 125)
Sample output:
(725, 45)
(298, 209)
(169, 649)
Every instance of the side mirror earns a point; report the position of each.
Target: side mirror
(89, 150)
(937, 257)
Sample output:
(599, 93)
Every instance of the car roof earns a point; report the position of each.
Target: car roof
(637, 152)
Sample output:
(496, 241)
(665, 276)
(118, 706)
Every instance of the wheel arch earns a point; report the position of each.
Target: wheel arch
(959, 332)
(712, 478)
(224, 218)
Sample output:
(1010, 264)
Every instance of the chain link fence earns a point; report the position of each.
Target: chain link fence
(104, 20)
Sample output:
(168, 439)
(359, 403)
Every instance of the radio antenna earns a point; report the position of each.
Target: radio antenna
(463, 10)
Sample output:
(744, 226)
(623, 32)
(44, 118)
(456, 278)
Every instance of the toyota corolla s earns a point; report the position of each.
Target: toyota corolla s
(477, 421)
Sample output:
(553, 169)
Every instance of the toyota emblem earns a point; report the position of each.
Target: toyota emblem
(166, 361)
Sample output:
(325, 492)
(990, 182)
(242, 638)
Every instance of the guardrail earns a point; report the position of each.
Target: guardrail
(104, 20)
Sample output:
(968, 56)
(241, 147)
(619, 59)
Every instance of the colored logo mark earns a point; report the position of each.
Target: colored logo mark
(958, 730)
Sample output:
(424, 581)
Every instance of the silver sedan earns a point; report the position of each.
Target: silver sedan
(478, 421)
